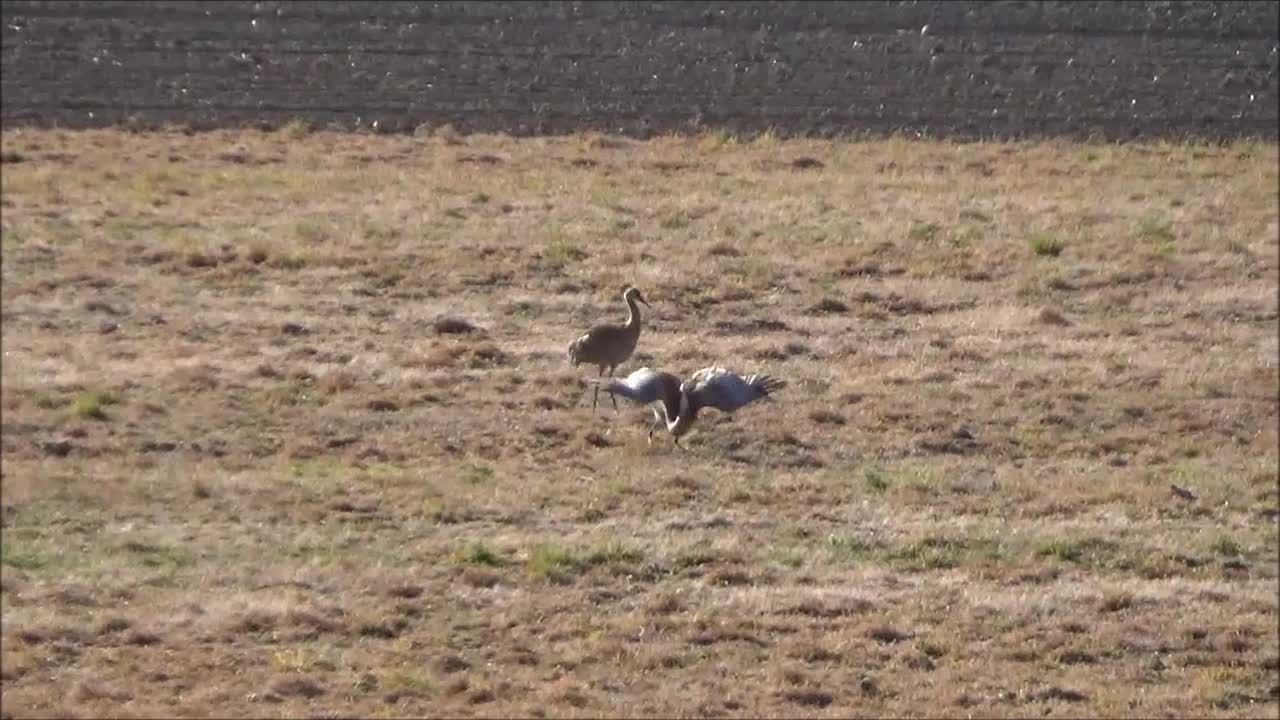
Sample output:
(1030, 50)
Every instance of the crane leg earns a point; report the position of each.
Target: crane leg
(596, 397)
(613, 397)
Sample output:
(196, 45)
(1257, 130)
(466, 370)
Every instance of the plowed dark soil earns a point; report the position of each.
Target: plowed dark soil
(1000, 69)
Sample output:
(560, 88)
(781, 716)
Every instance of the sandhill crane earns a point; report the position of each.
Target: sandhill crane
(712, 387)
(609, 345)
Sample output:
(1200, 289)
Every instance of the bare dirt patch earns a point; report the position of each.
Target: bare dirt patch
(331, 457)
(1083, 69)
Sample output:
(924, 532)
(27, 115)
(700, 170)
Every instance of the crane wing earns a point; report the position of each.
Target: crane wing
(727, 391)
(647, 385)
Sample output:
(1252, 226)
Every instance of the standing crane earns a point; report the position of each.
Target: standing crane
(609, 345)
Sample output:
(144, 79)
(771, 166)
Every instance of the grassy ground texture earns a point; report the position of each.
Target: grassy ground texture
(288, 427)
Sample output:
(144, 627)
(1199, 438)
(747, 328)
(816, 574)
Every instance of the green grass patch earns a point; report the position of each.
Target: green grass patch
(319, 467)
(294, 259)
(1159, 232)
(161, 557)
(408, 680)
(1154, 228)
(749, 267)
(851, 549)
(614, 552)
(547, 559)
(92, 405)
(876, 479)
(476, 474)
(478, 553)
(117, 229)
(561, 253)
(694, 556)
(313, 230)
(1046, 244)
(965, 235)
(923, 232)
(1087, 551)
(1226, 547)
(786, 556)
(932, 552)
(379, 232)
(19, 557)
(555, 561)
(1065, 550)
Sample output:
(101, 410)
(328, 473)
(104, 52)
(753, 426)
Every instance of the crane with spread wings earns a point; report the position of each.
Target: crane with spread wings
(676, 404)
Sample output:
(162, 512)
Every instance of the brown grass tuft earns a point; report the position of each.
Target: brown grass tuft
(292, 686)
(1051, 316)
(453, 326)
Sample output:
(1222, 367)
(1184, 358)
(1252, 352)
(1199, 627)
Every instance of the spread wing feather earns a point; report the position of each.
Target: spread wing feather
(727, 391)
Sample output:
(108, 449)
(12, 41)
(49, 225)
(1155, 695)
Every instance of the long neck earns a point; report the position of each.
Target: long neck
(633, 314)
(684, 420)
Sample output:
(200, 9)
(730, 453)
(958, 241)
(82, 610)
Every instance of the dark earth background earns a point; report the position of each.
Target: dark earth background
(1114, 70)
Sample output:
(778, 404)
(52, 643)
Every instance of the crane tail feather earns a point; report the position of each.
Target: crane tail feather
(767, 384)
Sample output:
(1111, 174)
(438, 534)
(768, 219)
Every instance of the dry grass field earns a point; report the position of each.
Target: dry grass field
(289, 429)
